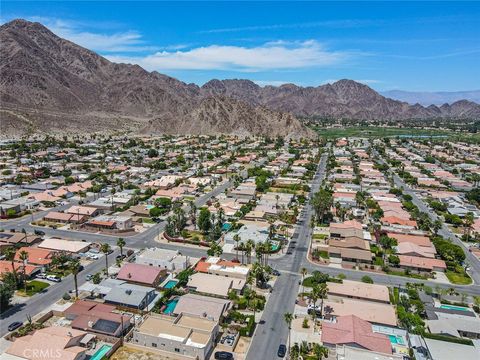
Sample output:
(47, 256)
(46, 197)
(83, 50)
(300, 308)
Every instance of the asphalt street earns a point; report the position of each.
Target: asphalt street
(39, 302)
(272, 329)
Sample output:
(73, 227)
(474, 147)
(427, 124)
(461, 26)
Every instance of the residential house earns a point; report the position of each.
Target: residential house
(184, 335)
(141, 274)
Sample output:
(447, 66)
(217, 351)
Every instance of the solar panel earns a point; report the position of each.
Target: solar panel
(106, 326)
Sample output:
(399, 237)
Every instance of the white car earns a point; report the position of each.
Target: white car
(53, 278)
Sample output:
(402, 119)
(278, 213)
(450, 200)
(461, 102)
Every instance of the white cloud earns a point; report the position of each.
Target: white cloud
(120, 41)
(272, 82)
(269, 56)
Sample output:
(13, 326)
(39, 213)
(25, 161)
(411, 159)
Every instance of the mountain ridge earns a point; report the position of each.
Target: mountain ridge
(51, 84)
(60, 86)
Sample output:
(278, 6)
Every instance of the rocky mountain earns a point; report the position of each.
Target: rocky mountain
(342, 99)
(51, 84)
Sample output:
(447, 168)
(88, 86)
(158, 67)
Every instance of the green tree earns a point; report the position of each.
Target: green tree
(367, 279)
(288, 317)
(121, 243)
(204, 220)
(155, 212)
(320, 351)
(6, 295)
(237, 239)
(74, 267)
(322, 201)
(23, 255)
(105, 248)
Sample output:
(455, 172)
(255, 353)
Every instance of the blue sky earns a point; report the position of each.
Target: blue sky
(423, 46)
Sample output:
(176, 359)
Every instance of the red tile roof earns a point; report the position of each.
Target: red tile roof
(351, 329)
(139, 273)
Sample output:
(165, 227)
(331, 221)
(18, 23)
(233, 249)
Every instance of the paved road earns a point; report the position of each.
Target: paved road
(272, 330)
(53, 293)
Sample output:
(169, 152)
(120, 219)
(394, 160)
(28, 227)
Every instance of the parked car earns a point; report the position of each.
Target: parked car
(88, 277)
(275, 273)
(223, 355)
(39, 232)
(53, 278)
(14, 325)
(41, 276)
(282, 350)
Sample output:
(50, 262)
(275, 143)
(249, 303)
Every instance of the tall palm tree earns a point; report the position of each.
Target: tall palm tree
(23, 255)
(322, 294)
(250, 247)
(105, 248)
(288, 317)
(10, 255)
(121, 243)
(304, 273)
(241, 247)
(237, 239)
(313, 297)
(74, 267)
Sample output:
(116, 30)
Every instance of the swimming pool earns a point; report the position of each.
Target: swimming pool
(452, 307)
(170, 284)
(101, 352)
(171, 304)
(226, 226)
(396, 340)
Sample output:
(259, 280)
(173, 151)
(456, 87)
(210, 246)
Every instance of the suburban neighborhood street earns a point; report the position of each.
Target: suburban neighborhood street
(272, 329)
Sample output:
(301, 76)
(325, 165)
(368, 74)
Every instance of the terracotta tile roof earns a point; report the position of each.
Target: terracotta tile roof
(351, 329)
(421, 263)
(139, 273)
(36, 256)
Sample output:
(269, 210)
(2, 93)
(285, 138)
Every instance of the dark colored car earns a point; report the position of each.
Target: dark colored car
(39, 232)
(223, 355)
(14, 325)
(282, 350)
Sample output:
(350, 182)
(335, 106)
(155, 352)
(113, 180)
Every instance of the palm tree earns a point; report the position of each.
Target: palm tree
(322, 294)
(320, 351)
(241, 247)
(121, 243)
(250, 248)
(105, 248)
(304, 273)
(288, 317)
(313, 297)
(10, 255)
(23, 255)
(74, 267)
(237, 239)
(467, 223)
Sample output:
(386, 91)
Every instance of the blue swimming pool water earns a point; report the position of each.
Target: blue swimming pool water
(170, 306)
(170, 284)
(452, 307)
(226, 226)
(101, 352)
(396, 340)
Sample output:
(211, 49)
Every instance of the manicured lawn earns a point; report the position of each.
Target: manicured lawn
(458, 278)
(319, 236)
(372, 131)
(148, 221)
(34, 287)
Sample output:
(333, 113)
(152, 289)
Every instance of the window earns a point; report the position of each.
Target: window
(154, 345)
(177, 350)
